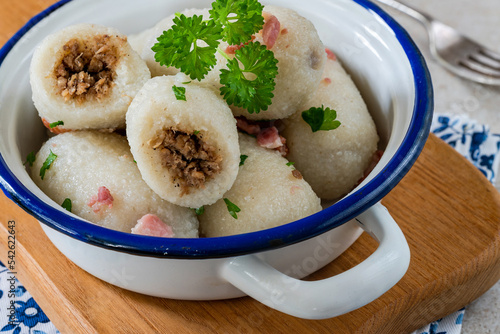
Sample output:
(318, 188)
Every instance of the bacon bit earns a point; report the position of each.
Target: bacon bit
(326, 81)
(296, 174)
(283, 149)
(330, 55)
(102, 198)
(271, 31)
(293, 188)
(375, 159)
(152, 226)
(284, 31)
(56, 130)
(245, 125)
(269, 138)
(231, 49)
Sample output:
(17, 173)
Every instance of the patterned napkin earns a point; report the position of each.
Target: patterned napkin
(471, 139)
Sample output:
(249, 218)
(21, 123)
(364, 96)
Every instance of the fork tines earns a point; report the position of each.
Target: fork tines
(483, 61)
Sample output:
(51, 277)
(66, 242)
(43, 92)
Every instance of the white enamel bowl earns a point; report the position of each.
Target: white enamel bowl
(266, 265)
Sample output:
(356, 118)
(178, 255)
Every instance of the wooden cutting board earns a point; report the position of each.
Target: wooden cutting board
(448, 211)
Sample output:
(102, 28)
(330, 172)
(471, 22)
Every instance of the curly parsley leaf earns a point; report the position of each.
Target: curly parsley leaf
(179, 92)
(232, 208)
(46, 165)
(30, 159)
(240, 19)
(321, 118)
(67, 204)
(250, 87)
(189, 45)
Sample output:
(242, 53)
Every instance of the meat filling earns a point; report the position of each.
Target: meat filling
(190, 160)
(87, 68)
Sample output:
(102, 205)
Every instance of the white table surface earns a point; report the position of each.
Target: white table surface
(479, 20)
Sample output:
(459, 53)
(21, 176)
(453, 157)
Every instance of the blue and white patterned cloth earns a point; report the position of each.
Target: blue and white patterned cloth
(472, 140)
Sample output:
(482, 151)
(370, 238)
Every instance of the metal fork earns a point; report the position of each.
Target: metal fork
(454, 51)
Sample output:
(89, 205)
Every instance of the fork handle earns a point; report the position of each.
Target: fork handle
(424, 18)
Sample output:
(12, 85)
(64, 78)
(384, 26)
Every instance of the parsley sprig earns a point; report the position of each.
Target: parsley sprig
(190, 45)
(240, 19)
(181, 45)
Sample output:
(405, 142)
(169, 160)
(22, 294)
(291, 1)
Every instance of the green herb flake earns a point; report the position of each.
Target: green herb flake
(46, 165)
(67, 204)
(54, 124)
(30, 159)
(243, 157)
(321, 118)
(196, 132)
(200, 210)
(179, 92)
(232, 208)
(291, 164)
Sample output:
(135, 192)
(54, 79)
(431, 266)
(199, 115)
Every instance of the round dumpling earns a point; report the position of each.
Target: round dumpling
(301, 58)
(97, 173)
(186, 149)
(85, 76)
(268, 193)
(333, 161)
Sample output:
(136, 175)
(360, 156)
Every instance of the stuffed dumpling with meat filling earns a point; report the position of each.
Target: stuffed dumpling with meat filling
(85, 76)
(186, 147)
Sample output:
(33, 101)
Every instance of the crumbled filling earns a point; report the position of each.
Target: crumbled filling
(190, 160)
(87, 68)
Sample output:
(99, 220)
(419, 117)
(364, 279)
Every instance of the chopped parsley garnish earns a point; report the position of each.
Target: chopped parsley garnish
(232, 208)
(243, 157)
(321, 118)
(290, 164)
(46, 165)
(200, 210)
(179, 92)
(67, 204)
(250, 78)
(30, 159)
(240, 19)
(196, 132)
(54, 124)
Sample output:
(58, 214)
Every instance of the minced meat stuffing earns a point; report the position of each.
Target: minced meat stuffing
(190, 160)
(87, 68)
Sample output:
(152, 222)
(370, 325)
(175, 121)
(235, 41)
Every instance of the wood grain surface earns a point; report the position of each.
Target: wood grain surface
(449, 213)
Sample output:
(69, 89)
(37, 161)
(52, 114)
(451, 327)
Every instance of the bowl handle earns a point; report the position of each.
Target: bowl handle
(332, 296)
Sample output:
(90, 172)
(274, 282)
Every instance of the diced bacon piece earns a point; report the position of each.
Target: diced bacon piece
(375, 159)
(103, 198)
(153, 226)
(330, 55)
(271, 31)
(231, 49)
(269, 138)
(283, 149)
(244, 125)
(326, 81)
(56, 130)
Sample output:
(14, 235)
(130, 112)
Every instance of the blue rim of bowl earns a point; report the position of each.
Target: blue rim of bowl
(288, 234)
